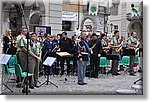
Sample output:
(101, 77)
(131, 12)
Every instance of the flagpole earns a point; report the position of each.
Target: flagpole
(78, 14)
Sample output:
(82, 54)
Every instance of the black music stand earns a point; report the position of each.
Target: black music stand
(49, 62)
(4, 60)
(112, 57)
(65, 55)
(131, 53)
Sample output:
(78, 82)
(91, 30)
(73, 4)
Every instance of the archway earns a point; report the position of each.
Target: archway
(11, 18)
(136, 26)
(35, 20)
(89, 20)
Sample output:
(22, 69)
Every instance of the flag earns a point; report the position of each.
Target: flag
(93, 8)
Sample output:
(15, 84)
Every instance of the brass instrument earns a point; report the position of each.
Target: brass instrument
(118, 49)
(136, 48)
(106, 50)
(92, 48)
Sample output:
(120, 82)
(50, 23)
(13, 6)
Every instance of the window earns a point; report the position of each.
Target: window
(66, 25)
(114, 9)
(66, 1)
(115, 27)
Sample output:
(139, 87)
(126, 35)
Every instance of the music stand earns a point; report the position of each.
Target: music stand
(49, 62)
(131, 53)
(64, 55)
(4, 58)
(112, 57)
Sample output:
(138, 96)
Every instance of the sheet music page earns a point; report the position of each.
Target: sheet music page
(63, 53)
(49, 61)
(4, 58)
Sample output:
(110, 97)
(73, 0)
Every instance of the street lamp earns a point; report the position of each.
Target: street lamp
(111, 27)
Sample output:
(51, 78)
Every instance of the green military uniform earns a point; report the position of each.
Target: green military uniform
(115, 63)
(132, 41)
(21, 56)
(115, 42)
(34, 64)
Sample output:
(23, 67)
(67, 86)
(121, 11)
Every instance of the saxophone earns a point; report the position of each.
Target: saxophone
(118, 49)
(92, 48)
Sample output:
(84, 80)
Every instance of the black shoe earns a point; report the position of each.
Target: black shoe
(31, 87)
(116, 74)
(80, 83)
(85, 83)
(25, 91)
(140, 71)
(19, 85)
(132, 74)
(36, 86)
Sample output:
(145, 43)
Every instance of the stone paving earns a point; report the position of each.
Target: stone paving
(104, 85)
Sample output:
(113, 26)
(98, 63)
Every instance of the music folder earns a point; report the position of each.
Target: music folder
(4, 58)
(49, 61)
(63, 54)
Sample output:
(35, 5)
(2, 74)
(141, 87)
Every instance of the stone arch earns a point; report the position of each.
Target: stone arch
(11, 17)
(136, 26)
(92, 18)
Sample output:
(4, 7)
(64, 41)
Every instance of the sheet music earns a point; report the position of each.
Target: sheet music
(84, 53)
(63, 54)
(4, 58)
(49, 61)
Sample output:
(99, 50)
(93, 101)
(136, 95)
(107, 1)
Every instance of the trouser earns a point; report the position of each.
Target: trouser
(114, 66)
(74, 67)
(94, 62)
(131, 64)
(33, 69)
(21, 59)
(81, 70)
(33, 66)
(62, 61)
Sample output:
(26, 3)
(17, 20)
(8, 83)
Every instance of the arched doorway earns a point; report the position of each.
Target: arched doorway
(35, 20)
(136, 26)
(36, 14)
(12, 18)
(89, 23)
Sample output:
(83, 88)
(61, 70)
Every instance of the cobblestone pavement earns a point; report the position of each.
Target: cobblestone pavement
(105, 84)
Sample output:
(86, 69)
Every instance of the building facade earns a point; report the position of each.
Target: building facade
(122, 17)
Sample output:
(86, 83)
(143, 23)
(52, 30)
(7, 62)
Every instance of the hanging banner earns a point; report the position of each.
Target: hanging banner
(93, 8)
(69, 16)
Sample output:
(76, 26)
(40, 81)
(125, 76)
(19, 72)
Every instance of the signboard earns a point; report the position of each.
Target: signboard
(69, 16)
(101, 24)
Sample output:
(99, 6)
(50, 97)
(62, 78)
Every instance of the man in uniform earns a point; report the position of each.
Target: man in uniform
(96, 48)
(83, 53)
(133, 44)
(34, 63)
(22, 54)
(114, 44)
